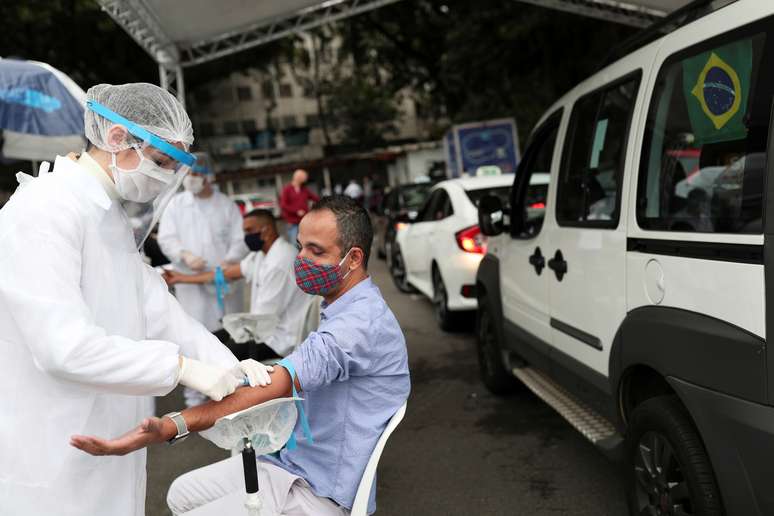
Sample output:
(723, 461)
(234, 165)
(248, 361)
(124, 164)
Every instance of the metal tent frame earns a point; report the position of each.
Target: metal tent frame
(149, 23)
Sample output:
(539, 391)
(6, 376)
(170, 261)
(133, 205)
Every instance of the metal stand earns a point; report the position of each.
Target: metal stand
(253, 501)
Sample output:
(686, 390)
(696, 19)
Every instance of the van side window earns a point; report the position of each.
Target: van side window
(704, 153)
(593, 159)
(530, 190)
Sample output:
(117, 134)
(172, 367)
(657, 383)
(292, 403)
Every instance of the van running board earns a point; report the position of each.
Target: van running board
(594, 427)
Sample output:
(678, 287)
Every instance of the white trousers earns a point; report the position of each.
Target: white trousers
(219, 490)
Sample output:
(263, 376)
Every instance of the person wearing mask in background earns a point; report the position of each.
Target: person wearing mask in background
(269, 270)
(295, 200)
(354, 191)
(352, 373)
(87, 330)
(200, 230)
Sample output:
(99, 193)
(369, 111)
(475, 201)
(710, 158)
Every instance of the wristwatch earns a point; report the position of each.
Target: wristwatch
(182, 428)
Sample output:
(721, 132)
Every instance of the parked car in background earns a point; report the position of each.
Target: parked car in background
(439, 251)
(401, 201)
(639, 300)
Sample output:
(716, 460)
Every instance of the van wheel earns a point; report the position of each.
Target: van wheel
(441, 303)
(668, 472)
(398, 272)
(490, 359)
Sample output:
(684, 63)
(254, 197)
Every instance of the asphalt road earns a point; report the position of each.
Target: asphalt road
(460, 450)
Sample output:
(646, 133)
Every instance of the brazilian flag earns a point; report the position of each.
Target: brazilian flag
(716, 86)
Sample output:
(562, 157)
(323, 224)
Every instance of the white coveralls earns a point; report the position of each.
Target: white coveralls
(274, 291)
(88, 332)
(212, 229)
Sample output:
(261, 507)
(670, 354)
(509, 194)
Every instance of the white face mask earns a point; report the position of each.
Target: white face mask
(193, 184)
(142, 184)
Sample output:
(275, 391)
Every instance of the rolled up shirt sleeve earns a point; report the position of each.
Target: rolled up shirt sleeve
(324, 358)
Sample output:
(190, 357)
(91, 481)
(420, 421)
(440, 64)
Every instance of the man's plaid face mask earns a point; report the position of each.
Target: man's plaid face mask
(318, 279)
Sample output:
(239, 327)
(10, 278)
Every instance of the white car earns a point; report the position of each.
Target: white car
(438, 253)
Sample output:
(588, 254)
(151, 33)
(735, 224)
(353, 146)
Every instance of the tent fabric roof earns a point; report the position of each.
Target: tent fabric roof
(190, 32)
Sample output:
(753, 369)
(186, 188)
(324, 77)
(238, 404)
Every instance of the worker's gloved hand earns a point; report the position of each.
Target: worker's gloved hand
(256, 372)
(192, 261)
(212, 381)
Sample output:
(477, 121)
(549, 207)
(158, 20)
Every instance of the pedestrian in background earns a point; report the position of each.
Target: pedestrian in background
(295, 200)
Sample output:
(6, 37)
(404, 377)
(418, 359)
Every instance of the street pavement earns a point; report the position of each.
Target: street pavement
(459, 450)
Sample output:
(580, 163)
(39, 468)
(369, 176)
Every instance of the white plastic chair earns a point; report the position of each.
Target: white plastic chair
(360, 506)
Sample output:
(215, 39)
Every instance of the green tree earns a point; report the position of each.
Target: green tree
(365, 113)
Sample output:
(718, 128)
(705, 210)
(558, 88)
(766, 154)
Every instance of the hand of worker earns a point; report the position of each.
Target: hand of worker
(300, 213)
(192, 261)
(256, 372)
(150, 431)
(212, 381)
(172, 277)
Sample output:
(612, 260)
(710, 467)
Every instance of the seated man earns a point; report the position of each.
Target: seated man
(352, 372)
(269, 269)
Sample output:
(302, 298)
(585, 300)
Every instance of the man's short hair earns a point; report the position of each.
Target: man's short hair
(265, 216)
(352, 222)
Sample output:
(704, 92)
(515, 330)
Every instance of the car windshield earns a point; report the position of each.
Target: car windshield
(503, 192)
(412, 197)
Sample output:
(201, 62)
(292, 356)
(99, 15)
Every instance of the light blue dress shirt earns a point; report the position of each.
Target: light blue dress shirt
(354, 374)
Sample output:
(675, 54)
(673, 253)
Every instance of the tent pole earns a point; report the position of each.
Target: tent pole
(172, 79)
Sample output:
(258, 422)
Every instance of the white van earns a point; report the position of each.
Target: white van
(636, 302)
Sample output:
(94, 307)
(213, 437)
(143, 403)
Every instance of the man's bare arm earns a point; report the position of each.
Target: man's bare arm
(159, 430)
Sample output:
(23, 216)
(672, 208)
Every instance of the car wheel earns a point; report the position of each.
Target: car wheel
(496, 378)
(668, 472)
(441, 303)
(398, 272)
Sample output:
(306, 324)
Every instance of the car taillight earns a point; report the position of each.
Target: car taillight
(471, 240)
(538, 206)
(399, 226)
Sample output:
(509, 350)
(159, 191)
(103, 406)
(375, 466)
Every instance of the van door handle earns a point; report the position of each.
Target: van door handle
(558, 265)
(537, 261)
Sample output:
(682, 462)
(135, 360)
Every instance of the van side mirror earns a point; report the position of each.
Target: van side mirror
(491, 215)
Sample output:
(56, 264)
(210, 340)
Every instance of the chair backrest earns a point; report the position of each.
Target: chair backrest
(360, 506)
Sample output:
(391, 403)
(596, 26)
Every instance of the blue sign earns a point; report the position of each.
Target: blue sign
(489, 144)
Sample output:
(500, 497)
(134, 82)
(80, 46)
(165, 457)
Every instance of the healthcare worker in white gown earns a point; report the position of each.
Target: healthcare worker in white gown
(87, 330)
(200, 230)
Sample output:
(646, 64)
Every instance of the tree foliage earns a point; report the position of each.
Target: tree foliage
(485, 59)
(75, 36)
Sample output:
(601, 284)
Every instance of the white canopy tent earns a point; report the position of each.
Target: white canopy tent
(182, 33)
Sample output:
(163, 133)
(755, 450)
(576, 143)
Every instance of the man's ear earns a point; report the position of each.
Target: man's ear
(117, 136)
(358, 256)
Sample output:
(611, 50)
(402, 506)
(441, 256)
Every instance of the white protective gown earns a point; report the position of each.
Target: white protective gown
(212, 229)
(87, 332)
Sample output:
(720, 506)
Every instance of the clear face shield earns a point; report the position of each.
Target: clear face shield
(146, 189)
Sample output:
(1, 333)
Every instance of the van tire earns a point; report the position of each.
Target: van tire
(495, 377)
(666, 462)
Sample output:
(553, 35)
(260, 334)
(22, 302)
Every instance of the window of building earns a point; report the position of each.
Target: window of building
(249, 126)
(593, 157)
(289, 121)
(244, 93)
(312, 121)
(704, 152)
(286, 90)
(231, 127)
